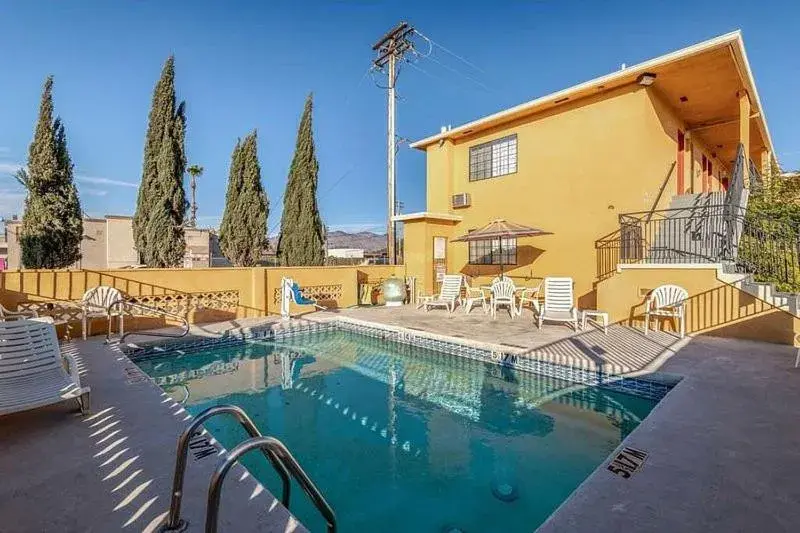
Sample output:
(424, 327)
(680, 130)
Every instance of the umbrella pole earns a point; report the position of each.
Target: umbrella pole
(501, 257)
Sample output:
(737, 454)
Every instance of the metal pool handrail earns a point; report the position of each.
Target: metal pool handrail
(173, 521)
(273, 446)
(154, 310)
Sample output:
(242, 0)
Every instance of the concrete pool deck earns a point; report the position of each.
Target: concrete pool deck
(112, 470)
(724, 447)
(622, 350)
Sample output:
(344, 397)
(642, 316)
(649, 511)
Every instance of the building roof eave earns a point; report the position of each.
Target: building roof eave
(608, 81)
(426, 215)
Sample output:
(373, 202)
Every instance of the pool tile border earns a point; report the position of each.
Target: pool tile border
(655, 388)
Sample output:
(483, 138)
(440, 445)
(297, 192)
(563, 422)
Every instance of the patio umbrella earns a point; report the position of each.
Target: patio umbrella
(501, 229)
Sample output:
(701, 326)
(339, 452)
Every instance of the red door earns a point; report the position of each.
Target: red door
(680, 160)
(704, 166)
(710, 175)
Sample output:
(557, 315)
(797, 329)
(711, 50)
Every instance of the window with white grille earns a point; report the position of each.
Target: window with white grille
(493, 159)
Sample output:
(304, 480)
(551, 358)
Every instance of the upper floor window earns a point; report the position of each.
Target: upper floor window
(493, 159)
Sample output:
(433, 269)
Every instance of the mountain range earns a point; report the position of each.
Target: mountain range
(365, 240)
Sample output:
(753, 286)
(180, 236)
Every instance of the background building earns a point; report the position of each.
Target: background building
(108, 243)
(3, 253)
(348, 253)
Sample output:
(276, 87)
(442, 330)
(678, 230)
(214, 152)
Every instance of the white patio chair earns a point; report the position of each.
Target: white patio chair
(31, 370)
(666, 301)
(448, 295)
(529, 295)
(503, 296)
(559, 302)
(472, 296)
(6, 314)
(95, 304)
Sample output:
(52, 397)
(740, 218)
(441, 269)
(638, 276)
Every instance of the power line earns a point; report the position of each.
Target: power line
(360, 81)
(465, 76)
(417, 67)
(319, 198)
(447, 50)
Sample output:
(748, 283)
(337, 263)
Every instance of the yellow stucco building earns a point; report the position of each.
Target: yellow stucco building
(573, 161)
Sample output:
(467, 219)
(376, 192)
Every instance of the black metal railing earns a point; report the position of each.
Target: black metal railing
(765, 247)
(769, 249)
(708, 232)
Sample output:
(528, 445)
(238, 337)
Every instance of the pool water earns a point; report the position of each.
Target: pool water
(400, 438)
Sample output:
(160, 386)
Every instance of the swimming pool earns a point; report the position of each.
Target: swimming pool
(401, 438)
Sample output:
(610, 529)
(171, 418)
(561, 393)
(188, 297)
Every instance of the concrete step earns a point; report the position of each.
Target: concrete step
(734, 278)
(766, 291)
(680, 201)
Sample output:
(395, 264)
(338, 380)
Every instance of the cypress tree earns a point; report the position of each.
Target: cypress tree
(70, 209)
(301, 242)
(228, 240)
(162, 199)
(243, 232)
(166, 243)
(51, 226)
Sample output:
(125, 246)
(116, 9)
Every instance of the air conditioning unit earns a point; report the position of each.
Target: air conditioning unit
(461, 199)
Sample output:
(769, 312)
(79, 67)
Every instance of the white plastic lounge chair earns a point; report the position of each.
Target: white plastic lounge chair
(5, 314)
(95, 304)
(503, 296)
(559, 302)
(472, 296)
(31, 370)
(666, 301)
(448, 295)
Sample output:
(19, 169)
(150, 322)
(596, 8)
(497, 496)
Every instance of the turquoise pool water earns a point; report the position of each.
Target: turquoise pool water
(406, 439)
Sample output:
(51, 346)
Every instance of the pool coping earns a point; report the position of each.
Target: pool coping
(643, 383)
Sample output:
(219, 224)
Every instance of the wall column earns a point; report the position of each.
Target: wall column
(690, 165)
(744, 133)
(766, 163)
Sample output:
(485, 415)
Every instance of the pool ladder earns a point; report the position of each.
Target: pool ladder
(274, 450)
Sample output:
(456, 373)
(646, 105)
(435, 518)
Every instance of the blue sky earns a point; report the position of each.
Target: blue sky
(245, 65)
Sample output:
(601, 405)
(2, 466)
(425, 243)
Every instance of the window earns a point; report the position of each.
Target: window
(488, 252)
(493, 159)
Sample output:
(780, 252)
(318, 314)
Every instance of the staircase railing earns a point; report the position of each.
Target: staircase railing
(709, 233)
(662, 188)
(765, 247)
(769, 249)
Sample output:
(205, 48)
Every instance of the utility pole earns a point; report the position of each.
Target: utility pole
(390, 48)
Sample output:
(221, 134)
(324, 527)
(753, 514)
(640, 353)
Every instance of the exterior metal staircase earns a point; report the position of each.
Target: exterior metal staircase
(715, 228)
(690, 231)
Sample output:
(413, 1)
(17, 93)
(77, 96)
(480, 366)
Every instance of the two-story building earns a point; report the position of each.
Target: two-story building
(572, 162)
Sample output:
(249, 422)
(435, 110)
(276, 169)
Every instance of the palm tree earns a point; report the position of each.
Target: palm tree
(195, 171)
(21, 176)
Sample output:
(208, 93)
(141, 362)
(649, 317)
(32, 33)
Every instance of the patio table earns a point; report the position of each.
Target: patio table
(600, 317)
(517, 292)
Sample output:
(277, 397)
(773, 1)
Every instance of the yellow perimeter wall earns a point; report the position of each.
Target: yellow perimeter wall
(256, 286)
(714, 307)
(579, 167)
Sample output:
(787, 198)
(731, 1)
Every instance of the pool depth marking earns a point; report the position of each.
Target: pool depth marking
(627, 462)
